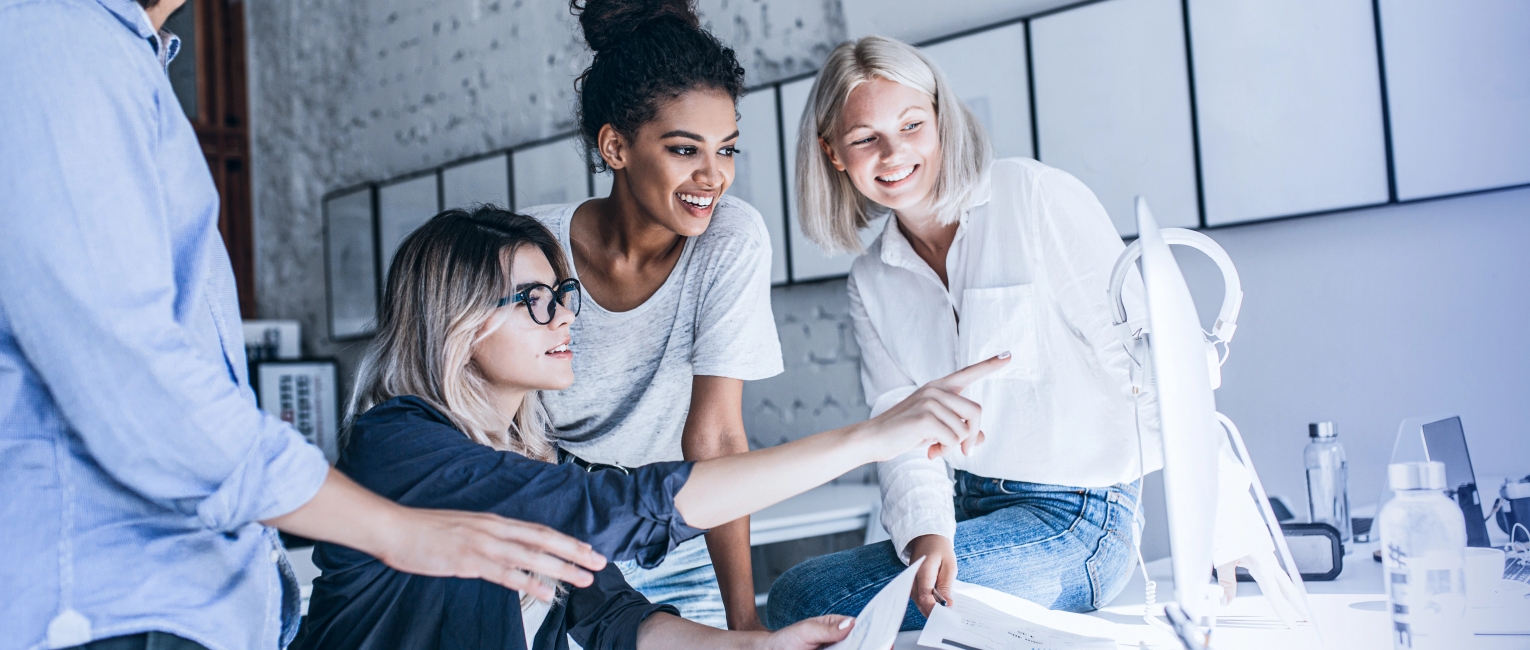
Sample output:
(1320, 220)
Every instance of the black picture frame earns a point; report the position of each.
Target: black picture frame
(351, 285)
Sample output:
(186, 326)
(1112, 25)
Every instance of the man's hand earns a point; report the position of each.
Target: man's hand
(506, 552)
(442, 543)
(932, 585)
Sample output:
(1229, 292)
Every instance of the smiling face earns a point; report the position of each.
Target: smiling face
(513, 352)
(679, 163)
(888, 144)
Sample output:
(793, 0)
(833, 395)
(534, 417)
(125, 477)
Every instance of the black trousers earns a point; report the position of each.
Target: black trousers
(144, 641)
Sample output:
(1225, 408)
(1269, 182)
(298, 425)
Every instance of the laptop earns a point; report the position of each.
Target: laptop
(1445, 441)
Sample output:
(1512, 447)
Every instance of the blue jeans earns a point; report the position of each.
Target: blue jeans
(1061, 547)
(684, 579)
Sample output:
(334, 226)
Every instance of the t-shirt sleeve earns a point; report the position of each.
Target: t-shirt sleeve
(735, 329)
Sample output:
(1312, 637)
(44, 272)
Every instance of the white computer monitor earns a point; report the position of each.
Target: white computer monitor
(1187, 408)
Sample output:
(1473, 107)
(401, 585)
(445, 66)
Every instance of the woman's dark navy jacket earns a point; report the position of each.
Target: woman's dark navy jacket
(408, 452)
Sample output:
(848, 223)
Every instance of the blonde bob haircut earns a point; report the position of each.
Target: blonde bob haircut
(444, 285)
(829, 207)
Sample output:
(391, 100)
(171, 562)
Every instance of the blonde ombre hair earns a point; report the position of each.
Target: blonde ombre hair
(829, 207)
(444, 284)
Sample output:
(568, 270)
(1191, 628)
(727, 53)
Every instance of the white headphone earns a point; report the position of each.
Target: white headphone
(1232, 299)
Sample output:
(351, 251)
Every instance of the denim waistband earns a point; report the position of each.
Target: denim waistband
(967, 482)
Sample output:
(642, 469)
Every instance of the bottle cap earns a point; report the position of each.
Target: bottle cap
(1322, 430)
(1416, 476)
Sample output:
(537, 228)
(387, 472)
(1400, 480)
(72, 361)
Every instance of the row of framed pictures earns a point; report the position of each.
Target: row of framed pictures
(363, 226)
(1220, 112)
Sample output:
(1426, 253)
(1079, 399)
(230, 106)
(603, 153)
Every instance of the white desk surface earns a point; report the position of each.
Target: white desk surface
(1350, 612)
(826, 509)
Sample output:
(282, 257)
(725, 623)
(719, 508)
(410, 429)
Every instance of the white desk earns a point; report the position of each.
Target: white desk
(824, 510)
(1350, 612)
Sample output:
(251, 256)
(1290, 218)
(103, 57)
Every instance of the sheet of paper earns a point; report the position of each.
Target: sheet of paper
(877, 625)
(972, 624)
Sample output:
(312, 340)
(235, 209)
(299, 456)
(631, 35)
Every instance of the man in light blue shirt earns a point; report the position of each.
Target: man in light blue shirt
(138, 482)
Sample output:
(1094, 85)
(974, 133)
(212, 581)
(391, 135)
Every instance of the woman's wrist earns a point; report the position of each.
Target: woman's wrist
(860, 441)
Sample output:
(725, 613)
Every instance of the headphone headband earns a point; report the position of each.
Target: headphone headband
(1232, 298)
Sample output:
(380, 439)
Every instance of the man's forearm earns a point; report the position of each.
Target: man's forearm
(344, 513)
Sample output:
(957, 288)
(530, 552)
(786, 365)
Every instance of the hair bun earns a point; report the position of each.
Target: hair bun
(607, 23)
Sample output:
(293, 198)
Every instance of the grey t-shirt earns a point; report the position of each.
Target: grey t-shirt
(633, 369)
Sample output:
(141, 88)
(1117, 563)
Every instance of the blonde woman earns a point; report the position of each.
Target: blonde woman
(979, 256)
(447, 414)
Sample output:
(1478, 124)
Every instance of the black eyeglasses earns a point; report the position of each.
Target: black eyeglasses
(542, 301)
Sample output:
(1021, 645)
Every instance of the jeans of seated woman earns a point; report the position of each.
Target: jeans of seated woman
(1062, 547)
(684, 579)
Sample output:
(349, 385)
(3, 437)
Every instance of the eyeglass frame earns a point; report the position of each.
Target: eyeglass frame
(565, 287)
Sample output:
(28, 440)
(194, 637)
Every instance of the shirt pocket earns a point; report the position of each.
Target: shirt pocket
(1001, 319)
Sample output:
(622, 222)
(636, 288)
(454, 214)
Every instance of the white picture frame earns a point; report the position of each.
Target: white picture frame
(403, 206)
(482, 181)
(304, 394)
(1113, 107)
(552, 172)
(757, 171)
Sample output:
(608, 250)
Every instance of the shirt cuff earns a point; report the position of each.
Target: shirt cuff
(278, 475)
(659, 505)
(918, 523)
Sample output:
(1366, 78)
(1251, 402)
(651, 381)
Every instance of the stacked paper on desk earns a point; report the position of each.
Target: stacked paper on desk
(877, 626)
(972, 624)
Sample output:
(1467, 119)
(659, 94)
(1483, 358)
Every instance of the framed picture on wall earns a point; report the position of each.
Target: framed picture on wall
(551, 172)
(350, 263)
(402, 206)
(304, 394)
(484, 180)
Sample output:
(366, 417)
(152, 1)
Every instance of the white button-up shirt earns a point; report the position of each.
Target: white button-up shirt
(1029, 273)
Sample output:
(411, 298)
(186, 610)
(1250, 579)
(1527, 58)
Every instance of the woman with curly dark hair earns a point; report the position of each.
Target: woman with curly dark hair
(677, 276)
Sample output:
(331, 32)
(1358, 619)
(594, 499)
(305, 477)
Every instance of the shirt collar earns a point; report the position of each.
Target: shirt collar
(166, 45)
(896, 251)
(132, 15)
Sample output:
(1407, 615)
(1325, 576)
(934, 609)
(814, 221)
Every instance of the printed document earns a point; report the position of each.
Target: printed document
(971, 624)
(877, 626)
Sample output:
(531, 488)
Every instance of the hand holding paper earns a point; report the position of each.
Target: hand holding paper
(876, 628)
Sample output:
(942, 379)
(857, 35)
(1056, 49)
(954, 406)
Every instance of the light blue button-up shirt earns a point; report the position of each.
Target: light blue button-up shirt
(134, 465)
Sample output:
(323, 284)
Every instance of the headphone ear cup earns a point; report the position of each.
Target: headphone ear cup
(1214, 365)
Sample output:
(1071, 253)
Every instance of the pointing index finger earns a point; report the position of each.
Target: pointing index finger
(958, 381)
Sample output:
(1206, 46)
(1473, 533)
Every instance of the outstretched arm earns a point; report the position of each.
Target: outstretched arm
(935, 418)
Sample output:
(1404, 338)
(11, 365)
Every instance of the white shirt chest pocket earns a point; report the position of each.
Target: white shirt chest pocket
(1003, 319)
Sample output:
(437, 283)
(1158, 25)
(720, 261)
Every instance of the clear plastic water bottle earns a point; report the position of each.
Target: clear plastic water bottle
(1327, 479)
(1423, 546)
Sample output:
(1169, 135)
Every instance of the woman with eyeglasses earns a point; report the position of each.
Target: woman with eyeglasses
(447, 413)
(677, 274)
